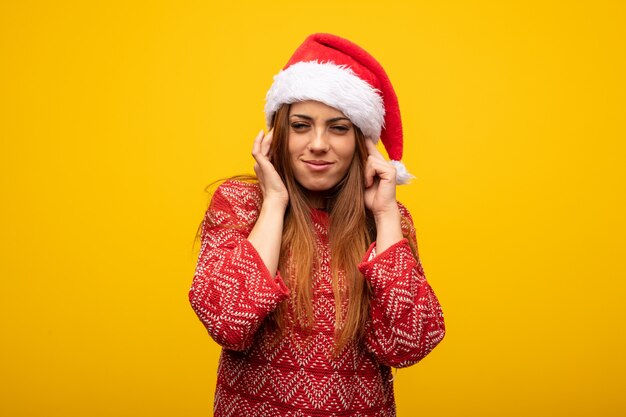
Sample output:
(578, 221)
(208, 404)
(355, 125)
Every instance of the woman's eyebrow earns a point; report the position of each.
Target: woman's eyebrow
(303, 116)
(336, 119)
(333, 120)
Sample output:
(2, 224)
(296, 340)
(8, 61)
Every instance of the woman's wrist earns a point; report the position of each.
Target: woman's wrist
(274, 204)
(388, 215)
(388, 229)
(266, 235)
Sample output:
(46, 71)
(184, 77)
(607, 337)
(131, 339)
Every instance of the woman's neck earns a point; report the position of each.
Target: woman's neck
(317, 199)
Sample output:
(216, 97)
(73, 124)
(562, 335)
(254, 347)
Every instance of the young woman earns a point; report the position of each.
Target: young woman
(309, 276)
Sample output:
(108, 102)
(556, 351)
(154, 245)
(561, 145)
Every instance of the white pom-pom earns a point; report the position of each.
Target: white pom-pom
(402, 175)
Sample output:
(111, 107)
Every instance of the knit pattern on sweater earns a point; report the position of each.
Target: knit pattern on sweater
(259, 374)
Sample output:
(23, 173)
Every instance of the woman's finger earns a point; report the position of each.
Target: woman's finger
(259, 155)
(370, 173)
(259, 174)
(256, 146)
(373, 151)
(382, 169)
(262, 164)
(267, 142)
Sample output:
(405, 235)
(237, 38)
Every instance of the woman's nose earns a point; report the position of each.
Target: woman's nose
(319, 141)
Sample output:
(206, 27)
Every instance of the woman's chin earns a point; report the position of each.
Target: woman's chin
(318, 186)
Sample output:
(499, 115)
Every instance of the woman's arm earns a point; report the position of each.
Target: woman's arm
(232, 290)
(406, 321)
(266, 236)
(380, 197)
(236, 284)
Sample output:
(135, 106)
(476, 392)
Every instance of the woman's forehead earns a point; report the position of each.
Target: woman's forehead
(314, 108)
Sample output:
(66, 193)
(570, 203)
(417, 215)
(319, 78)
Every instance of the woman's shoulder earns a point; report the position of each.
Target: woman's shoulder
(240, 187)
(404, 211)
(408, 228)
(238, 194)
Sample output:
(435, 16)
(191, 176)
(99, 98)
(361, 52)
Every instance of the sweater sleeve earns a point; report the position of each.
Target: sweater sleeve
(406, 321)
(232, 290)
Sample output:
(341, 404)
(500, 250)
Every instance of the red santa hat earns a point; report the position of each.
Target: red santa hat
(340, 74)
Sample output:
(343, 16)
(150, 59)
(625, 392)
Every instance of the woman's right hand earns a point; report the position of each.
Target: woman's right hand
(271, 184)
(267, 233)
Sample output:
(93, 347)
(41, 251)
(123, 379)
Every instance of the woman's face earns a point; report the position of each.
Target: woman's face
(322, 143)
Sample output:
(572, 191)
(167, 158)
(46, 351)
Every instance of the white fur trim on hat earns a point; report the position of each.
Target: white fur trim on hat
(403, 176)
(334, 85)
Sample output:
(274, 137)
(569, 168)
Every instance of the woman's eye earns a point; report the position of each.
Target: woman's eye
(340, 128)
(299, 126)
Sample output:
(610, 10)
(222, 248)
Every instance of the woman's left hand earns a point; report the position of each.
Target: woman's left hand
(380, 198)
(380, 183)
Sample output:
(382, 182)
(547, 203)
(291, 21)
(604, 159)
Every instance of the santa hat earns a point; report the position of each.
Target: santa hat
(340, 74)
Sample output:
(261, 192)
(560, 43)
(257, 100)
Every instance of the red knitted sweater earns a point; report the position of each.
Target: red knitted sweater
(233, 293)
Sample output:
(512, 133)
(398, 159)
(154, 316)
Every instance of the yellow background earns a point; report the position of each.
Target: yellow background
(115, 115)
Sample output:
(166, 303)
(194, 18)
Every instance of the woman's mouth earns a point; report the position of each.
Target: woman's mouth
(317, 165)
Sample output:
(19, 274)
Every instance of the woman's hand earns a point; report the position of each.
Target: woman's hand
(270, 182)
(380, 182)
(380, 198)
(267, 233)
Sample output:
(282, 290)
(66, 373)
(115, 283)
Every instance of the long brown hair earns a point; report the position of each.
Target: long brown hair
(351, 231)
